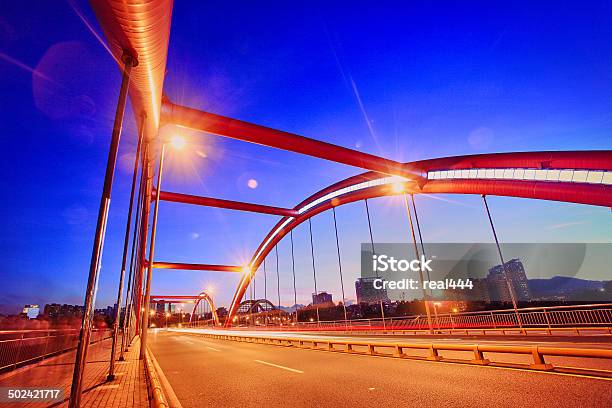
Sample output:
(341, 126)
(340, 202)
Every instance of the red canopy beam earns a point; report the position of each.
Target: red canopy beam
(228, 204)
(197, 267)
(252, 133)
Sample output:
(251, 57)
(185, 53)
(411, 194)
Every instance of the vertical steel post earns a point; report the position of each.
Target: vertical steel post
(96, 256)
(416, 253)
(143, 235)
(501, 257)
(129, 298)
(126, 243)
(147, 296)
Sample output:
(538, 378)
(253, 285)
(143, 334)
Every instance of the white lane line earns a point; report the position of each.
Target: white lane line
(212, 348)
(293, 370)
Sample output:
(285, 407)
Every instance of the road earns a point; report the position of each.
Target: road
(218, 373)
(604, 342)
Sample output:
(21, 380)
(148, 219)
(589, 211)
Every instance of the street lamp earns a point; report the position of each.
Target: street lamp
(178, 142)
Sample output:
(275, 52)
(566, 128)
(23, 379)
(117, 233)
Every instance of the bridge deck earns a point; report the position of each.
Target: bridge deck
(221, 373)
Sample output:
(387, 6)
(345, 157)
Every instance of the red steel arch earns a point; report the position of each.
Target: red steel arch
(205, 297)
(371, 186)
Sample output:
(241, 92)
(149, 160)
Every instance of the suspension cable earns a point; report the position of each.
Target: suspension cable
(314, 269)
(418, 225)
(265, 280)
(340, 266)
(504, 268)
(382, 308)
(293, 271)
(370, 229)
(417, 256)
(278, 282)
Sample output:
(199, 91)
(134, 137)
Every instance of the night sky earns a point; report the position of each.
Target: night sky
(407, 81)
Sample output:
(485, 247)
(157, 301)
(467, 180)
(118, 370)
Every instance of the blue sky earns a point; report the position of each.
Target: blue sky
(405, 81)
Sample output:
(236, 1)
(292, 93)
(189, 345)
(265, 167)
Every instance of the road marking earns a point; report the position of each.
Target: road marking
(212, 348)
(280, 366)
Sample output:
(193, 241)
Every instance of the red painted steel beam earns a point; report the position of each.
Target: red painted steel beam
(252, 133)
(228, 204)
(197, 267)
(177, 297)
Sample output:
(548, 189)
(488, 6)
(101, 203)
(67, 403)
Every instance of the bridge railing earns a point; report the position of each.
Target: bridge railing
(547, 319)
(22, 347)
(595, 315)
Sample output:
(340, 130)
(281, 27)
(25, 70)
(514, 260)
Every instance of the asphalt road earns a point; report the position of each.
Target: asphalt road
(604, 342)
(220, 373)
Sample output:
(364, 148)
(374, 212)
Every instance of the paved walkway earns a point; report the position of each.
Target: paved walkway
(127, 390)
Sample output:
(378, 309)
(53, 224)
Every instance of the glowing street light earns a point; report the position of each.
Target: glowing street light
(178, 142)
(398, 187)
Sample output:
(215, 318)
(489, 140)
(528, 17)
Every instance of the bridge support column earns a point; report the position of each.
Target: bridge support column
(96, 256)
(126, 242)
(147, 295)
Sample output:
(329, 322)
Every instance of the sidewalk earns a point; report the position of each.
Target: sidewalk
(129, 388)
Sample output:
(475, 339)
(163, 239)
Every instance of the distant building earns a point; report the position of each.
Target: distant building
(160, 308)
(31, 311)
(515, 275)
(367, 293)
(321, 298)
(55, 310)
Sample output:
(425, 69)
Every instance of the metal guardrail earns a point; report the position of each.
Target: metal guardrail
(22, 347)
(546, 318)
(397, 350)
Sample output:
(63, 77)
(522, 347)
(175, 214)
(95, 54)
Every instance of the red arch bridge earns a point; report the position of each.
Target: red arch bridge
(137, 34)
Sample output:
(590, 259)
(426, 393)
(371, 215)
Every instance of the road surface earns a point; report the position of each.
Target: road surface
(218, 373)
